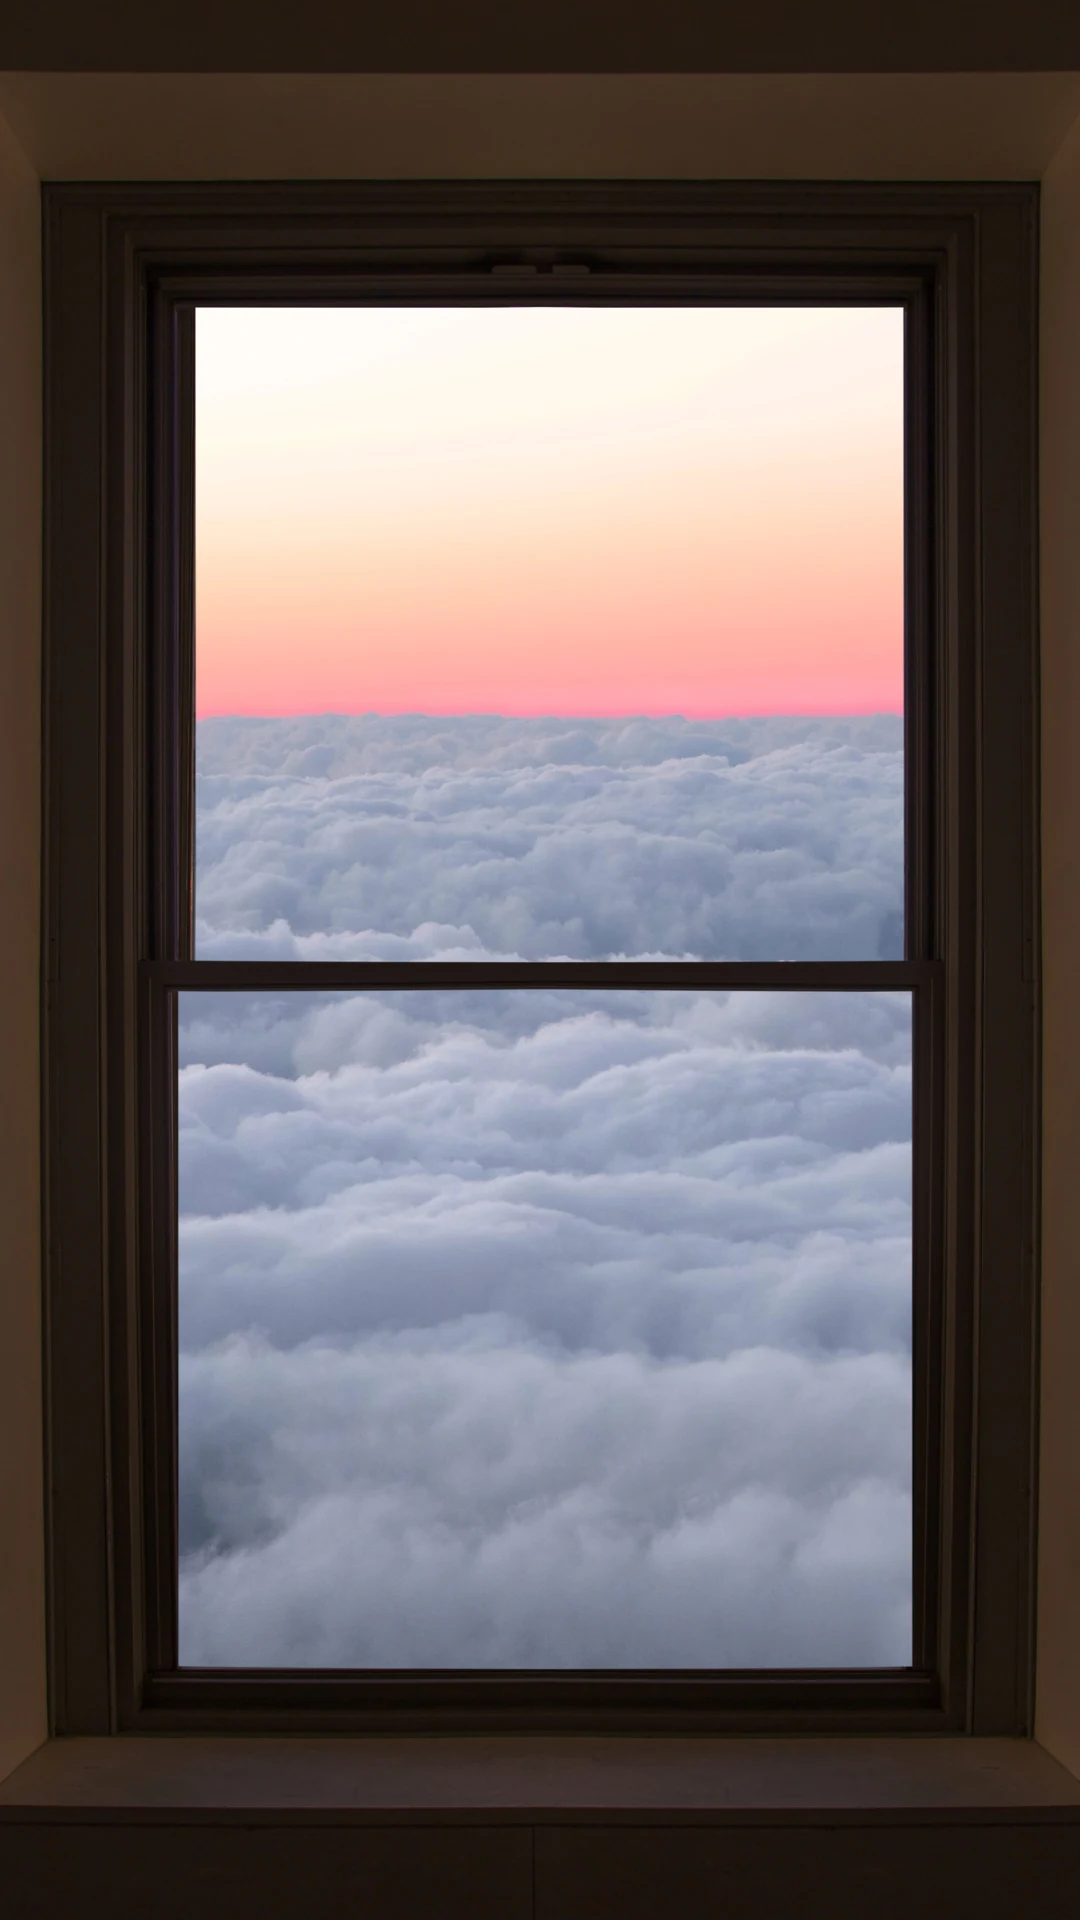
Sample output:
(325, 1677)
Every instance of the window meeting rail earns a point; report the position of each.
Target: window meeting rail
(824, 976)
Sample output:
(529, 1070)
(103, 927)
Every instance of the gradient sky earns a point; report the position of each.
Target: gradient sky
(568, 510)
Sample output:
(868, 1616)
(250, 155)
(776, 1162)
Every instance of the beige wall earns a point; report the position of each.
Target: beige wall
(101, 126)
(877, 126)
(22, 1636)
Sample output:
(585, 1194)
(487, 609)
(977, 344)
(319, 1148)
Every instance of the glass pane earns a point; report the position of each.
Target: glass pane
(545, 1329)
(547, 632)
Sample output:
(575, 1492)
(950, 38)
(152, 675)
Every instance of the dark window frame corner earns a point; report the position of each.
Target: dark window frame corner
(124, 268)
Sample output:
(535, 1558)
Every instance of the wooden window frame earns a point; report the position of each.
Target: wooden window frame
(124, 269)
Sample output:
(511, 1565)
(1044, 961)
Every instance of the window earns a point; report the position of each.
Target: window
(437, 975)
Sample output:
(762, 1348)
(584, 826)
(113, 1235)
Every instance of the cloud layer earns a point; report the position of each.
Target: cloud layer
(545, 1329)
(410, 837)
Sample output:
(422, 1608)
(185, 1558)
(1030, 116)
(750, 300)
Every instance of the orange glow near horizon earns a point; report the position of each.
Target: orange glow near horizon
(549, 510)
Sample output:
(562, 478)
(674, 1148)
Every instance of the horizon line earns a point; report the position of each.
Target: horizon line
(541, 713)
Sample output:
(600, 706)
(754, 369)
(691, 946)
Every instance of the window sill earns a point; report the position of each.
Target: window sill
(546, 1780)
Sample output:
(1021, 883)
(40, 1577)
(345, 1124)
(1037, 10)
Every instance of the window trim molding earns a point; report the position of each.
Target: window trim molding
(117, 261)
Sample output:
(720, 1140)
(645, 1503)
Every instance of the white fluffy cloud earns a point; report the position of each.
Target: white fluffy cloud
(407, 837)
(545, 1329)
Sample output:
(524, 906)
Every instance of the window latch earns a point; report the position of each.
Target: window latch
(528, 270)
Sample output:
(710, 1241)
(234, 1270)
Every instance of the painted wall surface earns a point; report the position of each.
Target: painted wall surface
(22, 1628)
(86, 133)
(1058, 1678)
(518, 126)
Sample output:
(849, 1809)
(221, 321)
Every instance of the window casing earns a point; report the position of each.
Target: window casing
(125, 269)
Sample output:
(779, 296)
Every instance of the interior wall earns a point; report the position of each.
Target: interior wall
(22, 1587)
(93, 128)
(1058, 1675)
(335, 126)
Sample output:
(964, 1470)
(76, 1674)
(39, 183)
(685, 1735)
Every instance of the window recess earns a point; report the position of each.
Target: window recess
(563, 1243)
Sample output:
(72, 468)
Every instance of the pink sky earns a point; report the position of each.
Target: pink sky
(526, 510)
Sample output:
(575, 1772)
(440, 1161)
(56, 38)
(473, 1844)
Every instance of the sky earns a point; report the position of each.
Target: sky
(536, 510)
(547, 1328)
